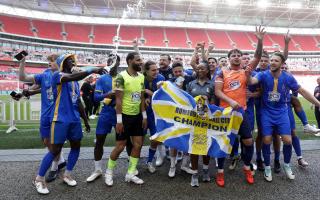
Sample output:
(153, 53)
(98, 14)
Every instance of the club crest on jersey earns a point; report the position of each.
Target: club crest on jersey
(274, 96)
(235, 84)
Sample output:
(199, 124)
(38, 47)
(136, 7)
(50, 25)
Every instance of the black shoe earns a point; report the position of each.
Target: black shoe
(277, 167)
(52, 175)
(62, 165)
(260, 165)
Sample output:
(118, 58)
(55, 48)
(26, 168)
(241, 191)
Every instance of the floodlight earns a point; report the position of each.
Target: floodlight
(206, 2)
(263, 3)
(233, 2)
(294, 5)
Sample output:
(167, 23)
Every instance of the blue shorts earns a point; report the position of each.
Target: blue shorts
(291, 118)
(107, 120)
(45, 125)
(250, 115)
(62, 131)
(245, 131)
(277, 122)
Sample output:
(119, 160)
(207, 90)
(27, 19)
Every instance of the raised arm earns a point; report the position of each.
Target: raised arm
(260, 32)
(135, 46)
(209, 50)
(287, 39)
(22, 74)
(193, 62)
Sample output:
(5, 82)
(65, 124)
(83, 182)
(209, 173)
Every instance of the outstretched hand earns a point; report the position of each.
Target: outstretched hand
(287, 38)
(260, 32)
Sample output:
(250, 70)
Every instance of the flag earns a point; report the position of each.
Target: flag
(191, 124)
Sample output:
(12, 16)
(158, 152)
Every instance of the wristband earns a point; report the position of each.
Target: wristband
(89, 70)
(119, 118)
(144, 115)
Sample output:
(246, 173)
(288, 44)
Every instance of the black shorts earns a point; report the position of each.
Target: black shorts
(132, 126)
(245, 128)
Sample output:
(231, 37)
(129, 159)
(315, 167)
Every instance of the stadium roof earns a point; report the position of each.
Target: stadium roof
(275, 13)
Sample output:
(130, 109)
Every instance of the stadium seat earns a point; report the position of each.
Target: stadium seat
(78, 32)
(16, 25)
(53, 32)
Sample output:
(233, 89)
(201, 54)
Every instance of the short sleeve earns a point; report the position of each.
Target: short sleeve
(38, 78)
(119, 82)
(219, 76)
(259, 76)
(293, 84)
(99, 86)
(142, 83)
(56, 78)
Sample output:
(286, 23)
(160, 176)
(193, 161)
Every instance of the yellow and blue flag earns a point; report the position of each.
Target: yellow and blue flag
(191, 124)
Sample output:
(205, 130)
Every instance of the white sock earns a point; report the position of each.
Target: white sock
(299, 157)
(220, 170)
(67, 173)
(184, 160)
(97, 165)
(54, 165)
(61, 158)
(205, 167)
(172, 161)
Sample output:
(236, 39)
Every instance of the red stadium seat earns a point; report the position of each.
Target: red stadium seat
(16, 25)
(241, 40)
(104, 34)
(48, 29)
(129, 33)
(220, 39)
(197, 35)
(78, 32)
(153, 36)
(307, 43)
(177, 37)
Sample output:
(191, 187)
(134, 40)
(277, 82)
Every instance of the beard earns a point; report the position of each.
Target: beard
(274, 69)
(136, 67)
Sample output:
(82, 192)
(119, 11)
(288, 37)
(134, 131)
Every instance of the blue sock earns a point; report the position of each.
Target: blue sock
(151, 154)
(266, 153)
(296, 145)
(247, 154)
(303, 117)
(220, 163)
(72, 158)
(235, 147)
(45, 163)
(276, 155)
(287, 152)
(259, 155)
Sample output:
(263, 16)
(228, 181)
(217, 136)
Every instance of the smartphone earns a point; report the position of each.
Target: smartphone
(20, 55)
(13, 94)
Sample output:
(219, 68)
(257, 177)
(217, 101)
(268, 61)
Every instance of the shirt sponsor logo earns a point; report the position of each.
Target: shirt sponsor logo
(235, 84)
(136, 96)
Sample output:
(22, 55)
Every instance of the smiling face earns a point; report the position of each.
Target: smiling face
(202, 71)
(136, 63)
(235, 59)
(245, 60)
(223, 62)
(275, 63)
(264, 63)
(152, 72)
